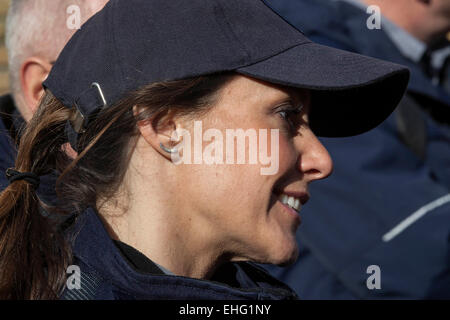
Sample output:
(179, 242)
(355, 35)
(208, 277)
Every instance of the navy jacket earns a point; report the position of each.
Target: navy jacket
(106, 274)
(378, 183)
(7, 133)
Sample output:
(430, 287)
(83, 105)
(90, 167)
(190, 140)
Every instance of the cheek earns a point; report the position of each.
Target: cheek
(242, 186)
(223, 188)
(287, 155)
(236, 202)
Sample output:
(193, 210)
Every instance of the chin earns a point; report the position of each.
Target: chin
(286, 255)
(290, 260)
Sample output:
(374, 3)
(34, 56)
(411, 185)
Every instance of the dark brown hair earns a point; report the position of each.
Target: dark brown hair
(34, 253)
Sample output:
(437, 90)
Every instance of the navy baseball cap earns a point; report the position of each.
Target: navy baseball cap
(132, 43)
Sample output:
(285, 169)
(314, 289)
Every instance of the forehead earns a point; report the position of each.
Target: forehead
(248, 89)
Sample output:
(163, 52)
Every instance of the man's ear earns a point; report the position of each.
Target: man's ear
(33, 73)
(159, 130)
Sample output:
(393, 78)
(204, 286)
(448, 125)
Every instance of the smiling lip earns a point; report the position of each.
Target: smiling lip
(292, 202)
(293, 208)
(294, 214)
(302, 196)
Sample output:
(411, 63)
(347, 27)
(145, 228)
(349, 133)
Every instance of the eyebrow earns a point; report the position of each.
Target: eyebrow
(294, 95)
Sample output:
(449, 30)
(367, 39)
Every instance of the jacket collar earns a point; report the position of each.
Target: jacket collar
(94, 248)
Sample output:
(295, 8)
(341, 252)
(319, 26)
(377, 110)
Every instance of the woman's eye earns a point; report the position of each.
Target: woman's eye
(284, 114)
(291, 115)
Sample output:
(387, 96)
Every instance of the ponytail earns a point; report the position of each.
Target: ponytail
(32, 253)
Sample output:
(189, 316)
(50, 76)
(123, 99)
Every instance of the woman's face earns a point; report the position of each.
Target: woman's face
(250, 206)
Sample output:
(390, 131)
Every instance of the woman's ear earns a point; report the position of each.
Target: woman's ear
(159, 130)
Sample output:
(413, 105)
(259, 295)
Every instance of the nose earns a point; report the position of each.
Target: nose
(314, 160)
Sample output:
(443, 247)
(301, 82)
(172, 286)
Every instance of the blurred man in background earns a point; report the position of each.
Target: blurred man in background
(379, 227)
(36, 32)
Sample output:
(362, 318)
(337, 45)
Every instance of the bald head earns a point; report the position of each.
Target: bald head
(36, 33)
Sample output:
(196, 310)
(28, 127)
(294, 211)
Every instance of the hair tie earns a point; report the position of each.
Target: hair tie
(14, 175)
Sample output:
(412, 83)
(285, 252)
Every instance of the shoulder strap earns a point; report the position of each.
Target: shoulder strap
(411, 126)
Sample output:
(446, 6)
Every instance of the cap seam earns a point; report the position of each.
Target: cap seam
(230, 29)
(275, 54)
(271, 7)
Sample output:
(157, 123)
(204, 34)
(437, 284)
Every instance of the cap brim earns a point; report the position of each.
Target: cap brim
(351, 93)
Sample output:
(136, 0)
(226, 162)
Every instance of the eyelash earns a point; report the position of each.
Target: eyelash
(290, 110)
